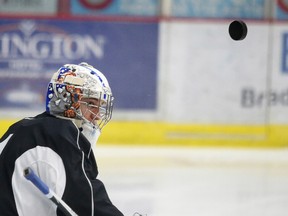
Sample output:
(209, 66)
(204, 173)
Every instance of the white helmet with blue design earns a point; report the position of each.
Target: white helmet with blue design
(70, 85)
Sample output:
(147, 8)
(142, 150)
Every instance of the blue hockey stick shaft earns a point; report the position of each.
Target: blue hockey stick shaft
(31, 176)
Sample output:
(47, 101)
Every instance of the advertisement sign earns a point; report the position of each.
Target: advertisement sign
(252, 9)
(281, 10)
(29, 7)
(32, 50)
(212, 79)
(116, 7)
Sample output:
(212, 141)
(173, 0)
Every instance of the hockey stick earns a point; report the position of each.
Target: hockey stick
(31, 176)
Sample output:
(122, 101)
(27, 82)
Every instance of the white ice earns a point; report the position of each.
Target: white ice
(169, 181)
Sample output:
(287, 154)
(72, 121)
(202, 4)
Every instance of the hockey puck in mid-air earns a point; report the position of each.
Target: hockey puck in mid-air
(237, 30)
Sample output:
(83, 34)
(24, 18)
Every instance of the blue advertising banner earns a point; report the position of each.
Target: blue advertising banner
(284, 58)
(116, 7)
(32, 50)
(29, 7)
(251, 9)
(281, 10)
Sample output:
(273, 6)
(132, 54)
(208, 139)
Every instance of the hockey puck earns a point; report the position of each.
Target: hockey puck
(237, 30)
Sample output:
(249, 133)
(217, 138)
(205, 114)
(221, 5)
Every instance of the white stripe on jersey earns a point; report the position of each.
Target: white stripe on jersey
(49, 166)
(3, 144)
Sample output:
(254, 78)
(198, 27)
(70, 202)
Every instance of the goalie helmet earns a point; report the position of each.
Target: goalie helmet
(68, 88)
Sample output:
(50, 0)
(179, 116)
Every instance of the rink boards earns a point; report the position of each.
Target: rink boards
(163, 134)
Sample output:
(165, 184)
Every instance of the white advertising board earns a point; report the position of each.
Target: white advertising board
(208, 78)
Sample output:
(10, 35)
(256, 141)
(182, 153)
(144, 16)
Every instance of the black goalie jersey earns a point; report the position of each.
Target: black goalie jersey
(62, 157)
